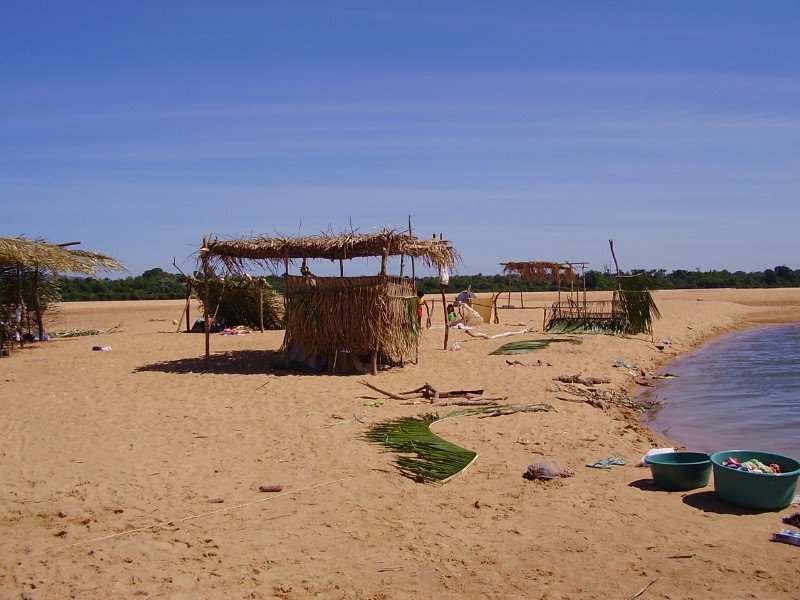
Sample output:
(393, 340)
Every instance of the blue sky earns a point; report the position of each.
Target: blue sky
(519, 130)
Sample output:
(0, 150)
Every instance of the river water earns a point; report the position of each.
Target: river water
(741, 391)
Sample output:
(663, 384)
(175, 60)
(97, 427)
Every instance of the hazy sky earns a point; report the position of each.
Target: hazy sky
(520, 130)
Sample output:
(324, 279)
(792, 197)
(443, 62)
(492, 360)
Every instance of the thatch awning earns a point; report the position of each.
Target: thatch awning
(544, 270)
(434, 252)
(37, 254)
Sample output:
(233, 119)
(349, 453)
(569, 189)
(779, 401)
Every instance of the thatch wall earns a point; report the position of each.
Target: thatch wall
(325, 315)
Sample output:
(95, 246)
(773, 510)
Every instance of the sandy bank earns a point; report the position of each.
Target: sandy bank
(109, 460)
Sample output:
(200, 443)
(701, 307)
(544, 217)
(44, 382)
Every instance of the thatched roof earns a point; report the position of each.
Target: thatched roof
(37, 254)
(275, 250)
(544, 270)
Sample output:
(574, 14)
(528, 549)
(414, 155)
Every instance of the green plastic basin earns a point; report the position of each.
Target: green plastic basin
(756, 491)
(678, 471)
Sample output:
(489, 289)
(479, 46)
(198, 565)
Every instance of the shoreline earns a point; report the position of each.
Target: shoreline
(135, 472)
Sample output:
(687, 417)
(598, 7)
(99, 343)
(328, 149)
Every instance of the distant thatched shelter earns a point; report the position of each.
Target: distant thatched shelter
(340, 321)
(631, 309)
(560, 274)
(26, 271)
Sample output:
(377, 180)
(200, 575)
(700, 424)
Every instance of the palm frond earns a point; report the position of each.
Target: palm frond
(527, 346)
(423, 456)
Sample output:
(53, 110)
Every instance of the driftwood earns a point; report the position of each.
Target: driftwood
(427, 391)
(510, 410)
(498, 335)
(270, 488)
(587, 381)
(602, 398)
(480, 402)
(641, 591)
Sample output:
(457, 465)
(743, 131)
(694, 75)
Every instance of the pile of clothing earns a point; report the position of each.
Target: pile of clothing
(238, 330)
(752, 465)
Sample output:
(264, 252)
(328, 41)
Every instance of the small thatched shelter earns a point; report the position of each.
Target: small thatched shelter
(631, 309)
(560, 274)
(339, 322)
(26, 270)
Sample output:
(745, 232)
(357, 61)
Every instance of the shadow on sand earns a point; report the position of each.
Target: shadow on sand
(707, 501)
(646, 485)
(235, 362)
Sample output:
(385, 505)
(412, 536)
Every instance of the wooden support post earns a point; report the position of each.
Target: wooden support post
(189, 286)
(444, 309)
(374, 360)
(206, 324)
(37, 305)
(286, 341)
(261, 304)
(413, 271)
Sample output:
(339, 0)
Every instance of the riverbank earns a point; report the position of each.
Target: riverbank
(114, 463)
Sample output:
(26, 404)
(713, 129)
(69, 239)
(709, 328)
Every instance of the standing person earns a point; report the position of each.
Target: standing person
(451, 314)
(420, 304)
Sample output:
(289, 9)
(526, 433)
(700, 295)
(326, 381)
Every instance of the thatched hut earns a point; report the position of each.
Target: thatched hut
(340, 322)
(26, 271)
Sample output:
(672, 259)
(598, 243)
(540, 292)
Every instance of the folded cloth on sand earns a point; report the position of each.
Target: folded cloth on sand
(546, 470)
(607, 463)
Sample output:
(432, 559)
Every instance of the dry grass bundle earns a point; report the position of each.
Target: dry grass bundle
(360, 314)
(238, 301)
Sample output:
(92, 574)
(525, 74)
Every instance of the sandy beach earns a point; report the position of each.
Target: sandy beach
(133, 473)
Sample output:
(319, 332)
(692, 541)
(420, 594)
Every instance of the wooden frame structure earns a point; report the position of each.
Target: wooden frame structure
(330, 316)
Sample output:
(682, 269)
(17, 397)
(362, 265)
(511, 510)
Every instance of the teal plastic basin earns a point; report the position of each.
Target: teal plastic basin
(756, 491)
(678, 471)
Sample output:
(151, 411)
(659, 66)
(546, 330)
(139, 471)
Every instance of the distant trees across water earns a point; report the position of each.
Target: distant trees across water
(157, 284)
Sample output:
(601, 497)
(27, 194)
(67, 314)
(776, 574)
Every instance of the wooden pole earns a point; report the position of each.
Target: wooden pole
(37, 305)
(413, 271)
(286, 341)
(444, 308)
(374, 360)
(261, 303)
(189, 286)
(206, 324)
(614, 256)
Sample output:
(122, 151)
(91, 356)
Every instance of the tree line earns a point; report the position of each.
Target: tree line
(157, 284)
